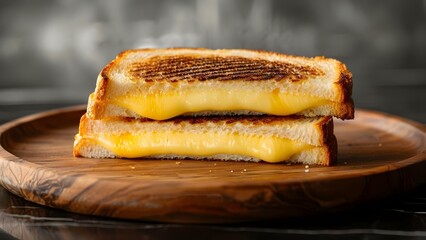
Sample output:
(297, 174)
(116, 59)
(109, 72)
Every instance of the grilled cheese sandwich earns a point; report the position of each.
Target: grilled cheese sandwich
(216, 104)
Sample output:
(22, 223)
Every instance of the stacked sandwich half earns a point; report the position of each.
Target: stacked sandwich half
(239, 105)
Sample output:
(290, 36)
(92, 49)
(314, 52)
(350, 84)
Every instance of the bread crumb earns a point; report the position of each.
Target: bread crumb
(232, 170)
(210, 170)
(132, 167)
(214, 164)
(245, 170)
(306, 166)
(306, 170)
(380, 144)
(178, 163)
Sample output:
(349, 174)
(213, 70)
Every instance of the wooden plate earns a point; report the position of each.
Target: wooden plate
(379, 155)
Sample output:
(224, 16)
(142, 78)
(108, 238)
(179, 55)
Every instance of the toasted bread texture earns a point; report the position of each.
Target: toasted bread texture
(316, 132)
(180, 71)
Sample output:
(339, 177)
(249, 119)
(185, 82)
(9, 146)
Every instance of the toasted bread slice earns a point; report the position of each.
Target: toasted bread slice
(164, 83)
(268, 138)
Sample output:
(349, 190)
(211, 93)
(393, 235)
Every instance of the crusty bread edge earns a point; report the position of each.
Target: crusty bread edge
(345, 85)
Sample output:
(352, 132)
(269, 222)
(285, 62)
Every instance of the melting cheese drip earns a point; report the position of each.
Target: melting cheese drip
(166, 105)
(270, 149)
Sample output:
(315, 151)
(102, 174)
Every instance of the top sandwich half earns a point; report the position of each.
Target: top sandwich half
(163, 83)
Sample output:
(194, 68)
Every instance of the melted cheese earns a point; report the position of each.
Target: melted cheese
(170, 104)
(270, 149)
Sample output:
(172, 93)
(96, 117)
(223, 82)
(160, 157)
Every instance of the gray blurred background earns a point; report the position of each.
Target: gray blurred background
(52, 51)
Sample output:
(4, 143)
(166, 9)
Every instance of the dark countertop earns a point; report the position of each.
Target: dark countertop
(401, 217)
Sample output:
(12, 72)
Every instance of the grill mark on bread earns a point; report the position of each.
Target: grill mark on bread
(190, 68)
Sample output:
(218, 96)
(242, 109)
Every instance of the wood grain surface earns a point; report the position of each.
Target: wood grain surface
(379, 155)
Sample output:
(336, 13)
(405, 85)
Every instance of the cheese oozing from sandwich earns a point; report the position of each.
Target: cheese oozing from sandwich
(267, 148)
(165, 105)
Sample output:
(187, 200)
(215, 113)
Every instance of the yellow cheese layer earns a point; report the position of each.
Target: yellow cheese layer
(270, 149)
(170, 104)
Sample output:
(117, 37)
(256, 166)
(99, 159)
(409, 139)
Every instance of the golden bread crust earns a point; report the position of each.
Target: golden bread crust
(345, 84)
(331, 152)
(329, 139)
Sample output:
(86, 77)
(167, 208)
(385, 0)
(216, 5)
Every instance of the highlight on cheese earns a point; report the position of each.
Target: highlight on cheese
(161, 106)
(268, 148)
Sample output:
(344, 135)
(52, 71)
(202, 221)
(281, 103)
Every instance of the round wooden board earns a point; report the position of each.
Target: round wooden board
(379, 155)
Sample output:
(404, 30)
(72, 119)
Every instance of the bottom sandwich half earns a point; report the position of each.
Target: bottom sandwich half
(254, 138)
